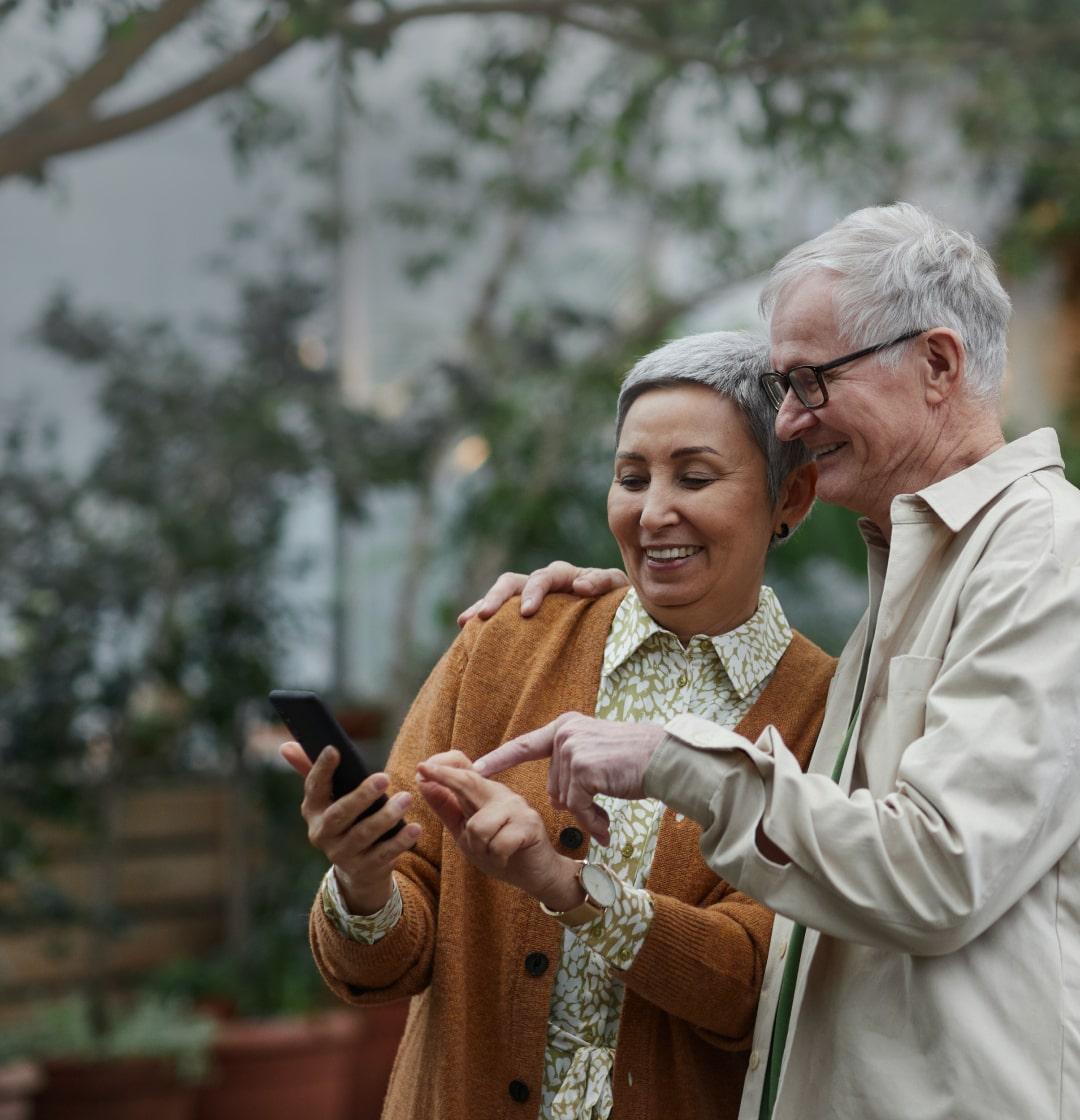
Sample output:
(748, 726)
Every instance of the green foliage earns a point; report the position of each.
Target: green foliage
(150, 1026)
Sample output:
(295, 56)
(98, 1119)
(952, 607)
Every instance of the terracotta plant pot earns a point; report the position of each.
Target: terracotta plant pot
(19, 1081)
(114, 1089)
(282, 1069)
(383, 1026)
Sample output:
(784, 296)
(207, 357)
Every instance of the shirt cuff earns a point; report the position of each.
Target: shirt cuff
(367, 928)
(618, 935)
(702, 733)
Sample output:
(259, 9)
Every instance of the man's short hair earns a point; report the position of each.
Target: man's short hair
(899, 269)
(730, 363)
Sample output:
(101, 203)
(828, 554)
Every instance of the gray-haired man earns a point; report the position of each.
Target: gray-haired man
(931, 854)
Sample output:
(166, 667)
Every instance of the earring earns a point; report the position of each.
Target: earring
(783, 533)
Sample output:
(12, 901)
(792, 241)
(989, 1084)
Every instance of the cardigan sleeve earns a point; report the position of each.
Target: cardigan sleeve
(399, 964)
(704, 963)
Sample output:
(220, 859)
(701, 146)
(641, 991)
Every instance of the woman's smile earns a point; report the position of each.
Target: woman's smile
(670, 558)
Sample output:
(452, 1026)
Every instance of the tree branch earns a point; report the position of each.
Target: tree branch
(20, 154)
(67, 124)
(112, 66)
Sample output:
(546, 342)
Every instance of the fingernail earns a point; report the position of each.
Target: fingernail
(380, 782)
(403, 800)
(528, 602)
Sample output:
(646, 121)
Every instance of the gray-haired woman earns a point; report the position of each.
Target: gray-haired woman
(561, 977)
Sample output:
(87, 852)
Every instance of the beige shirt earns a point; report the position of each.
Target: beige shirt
(944, 870)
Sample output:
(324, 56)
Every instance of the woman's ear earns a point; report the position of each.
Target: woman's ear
(796, 496)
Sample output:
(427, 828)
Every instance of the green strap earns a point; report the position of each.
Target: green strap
(782, 1021)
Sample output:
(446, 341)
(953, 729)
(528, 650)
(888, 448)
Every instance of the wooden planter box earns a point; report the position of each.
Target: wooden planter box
(282, 1069)
(117, 1089)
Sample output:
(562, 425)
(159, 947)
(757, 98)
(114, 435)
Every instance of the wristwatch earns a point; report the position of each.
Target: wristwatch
(599, 887)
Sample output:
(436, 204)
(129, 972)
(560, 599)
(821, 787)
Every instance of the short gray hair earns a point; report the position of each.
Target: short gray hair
(899, 269)
(730, 363)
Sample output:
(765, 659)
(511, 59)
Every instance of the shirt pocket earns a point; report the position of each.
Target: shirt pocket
(901, 718)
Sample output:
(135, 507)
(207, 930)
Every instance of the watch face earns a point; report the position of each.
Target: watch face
(597, 882)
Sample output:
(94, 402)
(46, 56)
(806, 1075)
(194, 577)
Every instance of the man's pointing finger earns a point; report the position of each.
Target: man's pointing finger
(525, 748)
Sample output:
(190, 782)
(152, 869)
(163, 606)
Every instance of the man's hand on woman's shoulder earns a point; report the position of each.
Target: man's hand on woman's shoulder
(557, 576)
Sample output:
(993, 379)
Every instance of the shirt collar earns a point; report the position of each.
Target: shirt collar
(749, 653)
(958, 498)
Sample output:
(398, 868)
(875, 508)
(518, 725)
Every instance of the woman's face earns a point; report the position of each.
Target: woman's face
(689, 506)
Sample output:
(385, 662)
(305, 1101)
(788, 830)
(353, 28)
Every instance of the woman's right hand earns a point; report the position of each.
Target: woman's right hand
(362, 867)
(557, 576)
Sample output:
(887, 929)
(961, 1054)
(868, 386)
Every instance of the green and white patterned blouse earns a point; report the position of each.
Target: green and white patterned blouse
(648, 676)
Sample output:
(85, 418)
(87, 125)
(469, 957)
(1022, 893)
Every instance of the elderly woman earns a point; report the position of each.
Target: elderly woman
(558, 976)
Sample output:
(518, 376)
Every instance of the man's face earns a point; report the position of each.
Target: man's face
(866, 440)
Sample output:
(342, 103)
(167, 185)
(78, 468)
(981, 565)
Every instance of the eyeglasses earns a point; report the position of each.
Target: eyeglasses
(808, 382)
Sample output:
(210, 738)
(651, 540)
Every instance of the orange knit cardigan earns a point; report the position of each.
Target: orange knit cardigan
(473, 1048)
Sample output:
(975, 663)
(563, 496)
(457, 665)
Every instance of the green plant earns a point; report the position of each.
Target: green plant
(150, 1026)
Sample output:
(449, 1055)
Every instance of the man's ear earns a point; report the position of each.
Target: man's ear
(944, 366)
(796, 496)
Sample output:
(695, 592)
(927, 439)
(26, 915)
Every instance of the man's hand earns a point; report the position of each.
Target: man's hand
(557, 576)
(497, 830)
(588, 756)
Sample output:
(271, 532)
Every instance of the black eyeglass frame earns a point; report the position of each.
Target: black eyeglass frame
(783, 380)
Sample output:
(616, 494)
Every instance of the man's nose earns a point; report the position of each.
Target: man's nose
(793, 419)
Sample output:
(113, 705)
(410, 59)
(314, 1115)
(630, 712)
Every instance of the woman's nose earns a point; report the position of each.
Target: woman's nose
(658, 509)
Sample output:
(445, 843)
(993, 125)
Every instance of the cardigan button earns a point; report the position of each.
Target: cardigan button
(519, 1091)
(536, 964)
(571, 838)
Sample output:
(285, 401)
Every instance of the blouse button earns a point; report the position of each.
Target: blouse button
(683, 680)
(627, 850)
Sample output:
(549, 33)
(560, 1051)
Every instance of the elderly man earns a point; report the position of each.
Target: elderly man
(927, 867)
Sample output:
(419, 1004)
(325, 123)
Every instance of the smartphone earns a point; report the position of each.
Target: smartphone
(313, 726)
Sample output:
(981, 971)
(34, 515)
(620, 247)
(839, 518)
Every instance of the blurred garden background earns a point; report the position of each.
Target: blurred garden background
(312, 319)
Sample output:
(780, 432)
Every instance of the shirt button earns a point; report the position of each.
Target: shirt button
(626, 955)
(627, 850)
(755, 1060)
(683, 680)
(536, 964)
(571, 838)
(519, 1091)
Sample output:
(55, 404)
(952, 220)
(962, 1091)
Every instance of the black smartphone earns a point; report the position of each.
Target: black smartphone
(313, 726)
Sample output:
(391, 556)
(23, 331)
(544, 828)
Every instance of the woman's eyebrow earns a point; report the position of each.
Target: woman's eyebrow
(678, 453)
(682, 452)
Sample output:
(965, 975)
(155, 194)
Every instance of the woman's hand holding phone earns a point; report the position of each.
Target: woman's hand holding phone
(362, 864)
